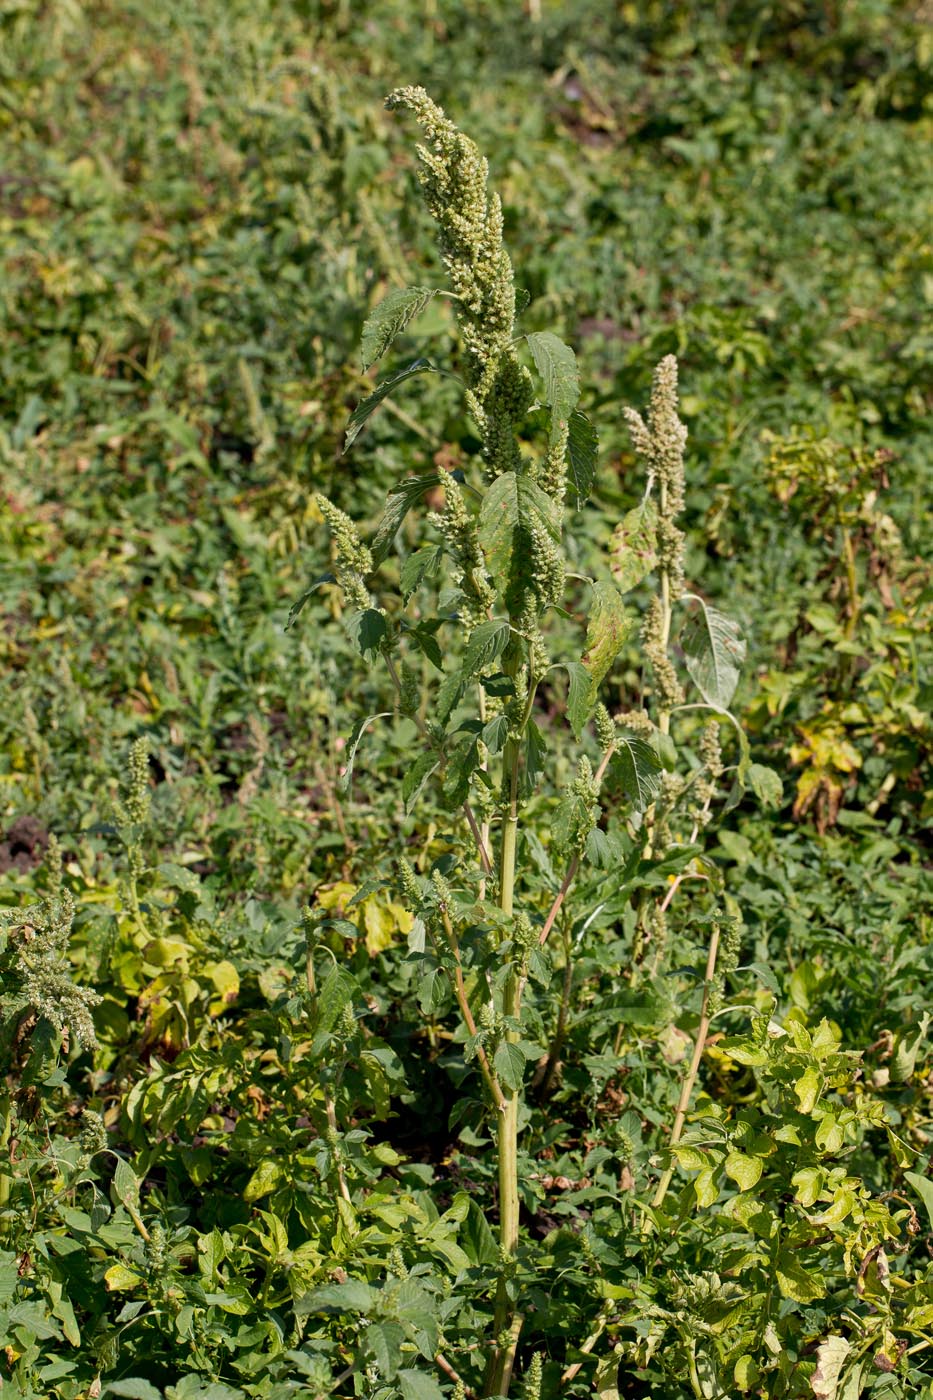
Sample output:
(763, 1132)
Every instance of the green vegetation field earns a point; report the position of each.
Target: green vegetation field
(249, 1141)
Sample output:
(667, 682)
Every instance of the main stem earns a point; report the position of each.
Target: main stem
(506, 1337)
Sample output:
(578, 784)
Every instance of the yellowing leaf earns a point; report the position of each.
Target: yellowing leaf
(227, 982)
(745, 1171)
(118, 1277)
(807, 1089)
(264, 1180)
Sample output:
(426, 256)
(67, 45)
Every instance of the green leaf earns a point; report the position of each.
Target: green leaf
(424, 563)
(390, 318)
(416, 776)
(399, 502)
(348, 1297)
(126, 1184)
(705, 1188)
(633, 547)
(511, 508)
(417, 1386)
(359, 729)
(907, 1044)
(766, 785)
(306, 595)
(495, 733)
(924, 1189)
(745, 1171)
(713, 652)
(582, 447)
(557, 365)
(133, 1388)
(487, 642)
(264, 1180)
(367, 630)
(795, 1282)
(363, 410)
(534, 748)
(383, 1341)
(637, 767)
(608, 628)
(9, 1276)
(509, 1064)
(807, 1088)
(579, 696)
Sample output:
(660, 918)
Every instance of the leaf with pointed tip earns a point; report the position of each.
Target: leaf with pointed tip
(363, 410)
(557, 365)
(713, 651)
(579, 695)
(638, 768)
(390, 318)
(633, 547)
(582, 445)
(416, 776)
(487, 642)
(398, 503)
(308, 593)
(608, 629)
(367, 630)
(512, 508)
(353, 744)
(424, 563)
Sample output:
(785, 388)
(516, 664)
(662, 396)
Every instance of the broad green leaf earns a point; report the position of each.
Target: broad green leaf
(831, 1356)
(608, 629)
(713, 652)
(335, 992)
(795, 1282)
(416, 1385)
(9, 1275)
(808, 1183)
(907, 1044)
(807, 1088)
(637, 767)
(126, 1184)
(923, 1186)
(582, 447)
(511, 508)
(557, 365)
(264, 1180)
(766, 785)
(383, 1342)
(424, 563)
(118, 1276)
(705, 1188)
(390, 318)
(351, 1296)
(399, 502)
(363, 410)
(509, 1064)
(487, 642)
(133, 1388)
(633, 547)
(367, 630)
(745, 1171)
(495, 733)
(579, 696)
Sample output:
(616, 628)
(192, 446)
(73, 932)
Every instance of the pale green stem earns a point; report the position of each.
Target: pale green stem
(686, 1088)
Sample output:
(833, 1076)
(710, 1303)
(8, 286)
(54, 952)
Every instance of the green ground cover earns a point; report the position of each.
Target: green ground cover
(241, 1184)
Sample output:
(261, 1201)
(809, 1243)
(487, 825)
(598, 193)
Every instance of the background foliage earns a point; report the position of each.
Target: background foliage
(199, 207)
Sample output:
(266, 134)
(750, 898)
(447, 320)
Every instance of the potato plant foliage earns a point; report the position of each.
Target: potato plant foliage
(465, 742)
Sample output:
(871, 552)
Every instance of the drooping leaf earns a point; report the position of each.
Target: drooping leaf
(309, 592)
(831, 1357)
(637, 767)
(390, 318)
(608, 629)
(557, 365)
(495, 733)
(765, 784)
(509, 1064)
(512, 507)
(924, 1189)
(126, 1184)
(367, 630)
(582, 447)
(364, 410)
(398, 503)
(579, 696)
(359, 729)
(416, 776)
(633, 547)
(713, 651)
